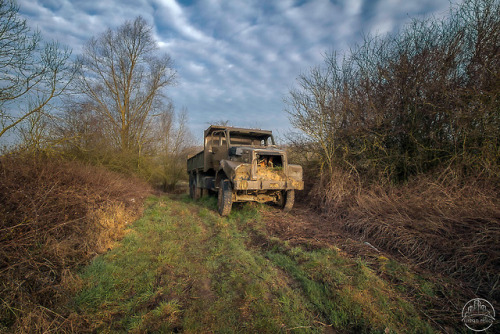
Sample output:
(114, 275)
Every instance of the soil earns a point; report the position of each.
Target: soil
(305, 227)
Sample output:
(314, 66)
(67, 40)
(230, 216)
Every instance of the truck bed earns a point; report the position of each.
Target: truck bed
(196, 162)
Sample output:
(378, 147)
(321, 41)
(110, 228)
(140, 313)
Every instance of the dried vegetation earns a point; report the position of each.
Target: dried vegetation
(436, 222)
(55, 216)
(405, 131)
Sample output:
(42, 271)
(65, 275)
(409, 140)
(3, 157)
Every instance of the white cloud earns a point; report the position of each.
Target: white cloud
(234, 58)
(172, 13)
(196, 69)
(353, 7)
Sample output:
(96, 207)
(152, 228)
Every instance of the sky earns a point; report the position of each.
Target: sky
(236, 60)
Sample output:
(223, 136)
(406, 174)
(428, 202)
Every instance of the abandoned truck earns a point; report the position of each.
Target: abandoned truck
(243, 165)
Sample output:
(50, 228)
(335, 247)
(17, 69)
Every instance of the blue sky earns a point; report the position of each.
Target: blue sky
(236, 60)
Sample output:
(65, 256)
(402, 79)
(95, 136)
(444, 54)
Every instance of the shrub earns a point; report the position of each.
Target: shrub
(55, 215)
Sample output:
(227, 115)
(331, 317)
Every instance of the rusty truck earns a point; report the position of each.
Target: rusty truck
(242, 165)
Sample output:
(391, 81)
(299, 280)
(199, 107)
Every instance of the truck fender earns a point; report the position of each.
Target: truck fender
(226, 169)
(221, 174)
(229, 167)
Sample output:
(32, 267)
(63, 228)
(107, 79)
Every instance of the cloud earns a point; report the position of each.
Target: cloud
(388, 16)
(170, 12)
(236, 59)
(73, 22)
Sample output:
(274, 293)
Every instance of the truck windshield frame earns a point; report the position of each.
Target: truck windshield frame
(252, 138)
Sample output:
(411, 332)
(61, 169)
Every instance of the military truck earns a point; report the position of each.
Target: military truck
(242, 165)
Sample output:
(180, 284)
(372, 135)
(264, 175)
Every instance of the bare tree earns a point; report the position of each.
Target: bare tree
(220, 122)
(176, 140)
(123, 74)
(81, 130)
(409, 103)
(32, 73)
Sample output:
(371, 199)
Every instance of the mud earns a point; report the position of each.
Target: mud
(306, 228)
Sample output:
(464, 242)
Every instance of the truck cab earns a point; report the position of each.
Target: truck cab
(243, 165)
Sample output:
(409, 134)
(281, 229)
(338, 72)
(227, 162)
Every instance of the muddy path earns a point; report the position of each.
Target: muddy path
(304, 226)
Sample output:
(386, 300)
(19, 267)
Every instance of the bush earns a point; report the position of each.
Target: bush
(406, 130)
(440, 222)
(407, 104)
(55, 215)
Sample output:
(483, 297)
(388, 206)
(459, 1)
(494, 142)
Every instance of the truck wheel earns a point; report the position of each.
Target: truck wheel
(194, 191)
(191, 187)
(225, 198)
(288, 199)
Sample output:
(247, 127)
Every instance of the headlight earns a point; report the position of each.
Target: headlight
(295, 172)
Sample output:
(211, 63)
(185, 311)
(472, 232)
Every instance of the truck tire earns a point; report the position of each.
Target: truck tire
(191, 187)
(194, 191)
(288, 199)
(225, 197)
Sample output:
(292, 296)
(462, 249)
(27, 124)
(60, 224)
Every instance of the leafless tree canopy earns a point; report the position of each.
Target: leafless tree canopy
(124, 77)
(406, 104)
(32, 73)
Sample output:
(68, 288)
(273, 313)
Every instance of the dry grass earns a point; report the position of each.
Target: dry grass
(438, 222)
(55, 215)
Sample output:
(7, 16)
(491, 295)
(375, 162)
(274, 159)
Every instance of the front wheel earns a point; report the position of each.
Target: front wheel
(225, 198)
(287, 200)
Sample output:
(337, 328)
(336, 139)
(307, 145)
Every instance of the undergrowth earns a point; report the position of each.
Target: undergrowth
(55, 215)
(440, 222)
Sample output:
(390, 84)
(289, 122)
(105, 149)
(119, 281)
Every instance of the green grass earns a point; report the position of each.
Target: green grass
(181, 267)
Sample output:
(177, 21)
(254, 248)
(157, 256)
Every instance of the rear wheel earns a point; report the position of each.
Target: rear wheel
(225, 197)
(194, 191)
(191, 188)
(287, 199)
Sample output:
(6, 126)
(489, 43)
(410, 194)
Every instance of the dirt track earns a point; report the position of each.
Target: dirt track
(303, 226)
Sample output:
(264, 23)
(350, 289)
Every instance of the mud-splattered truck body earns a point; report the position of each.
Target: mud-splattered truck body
(243, 165)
